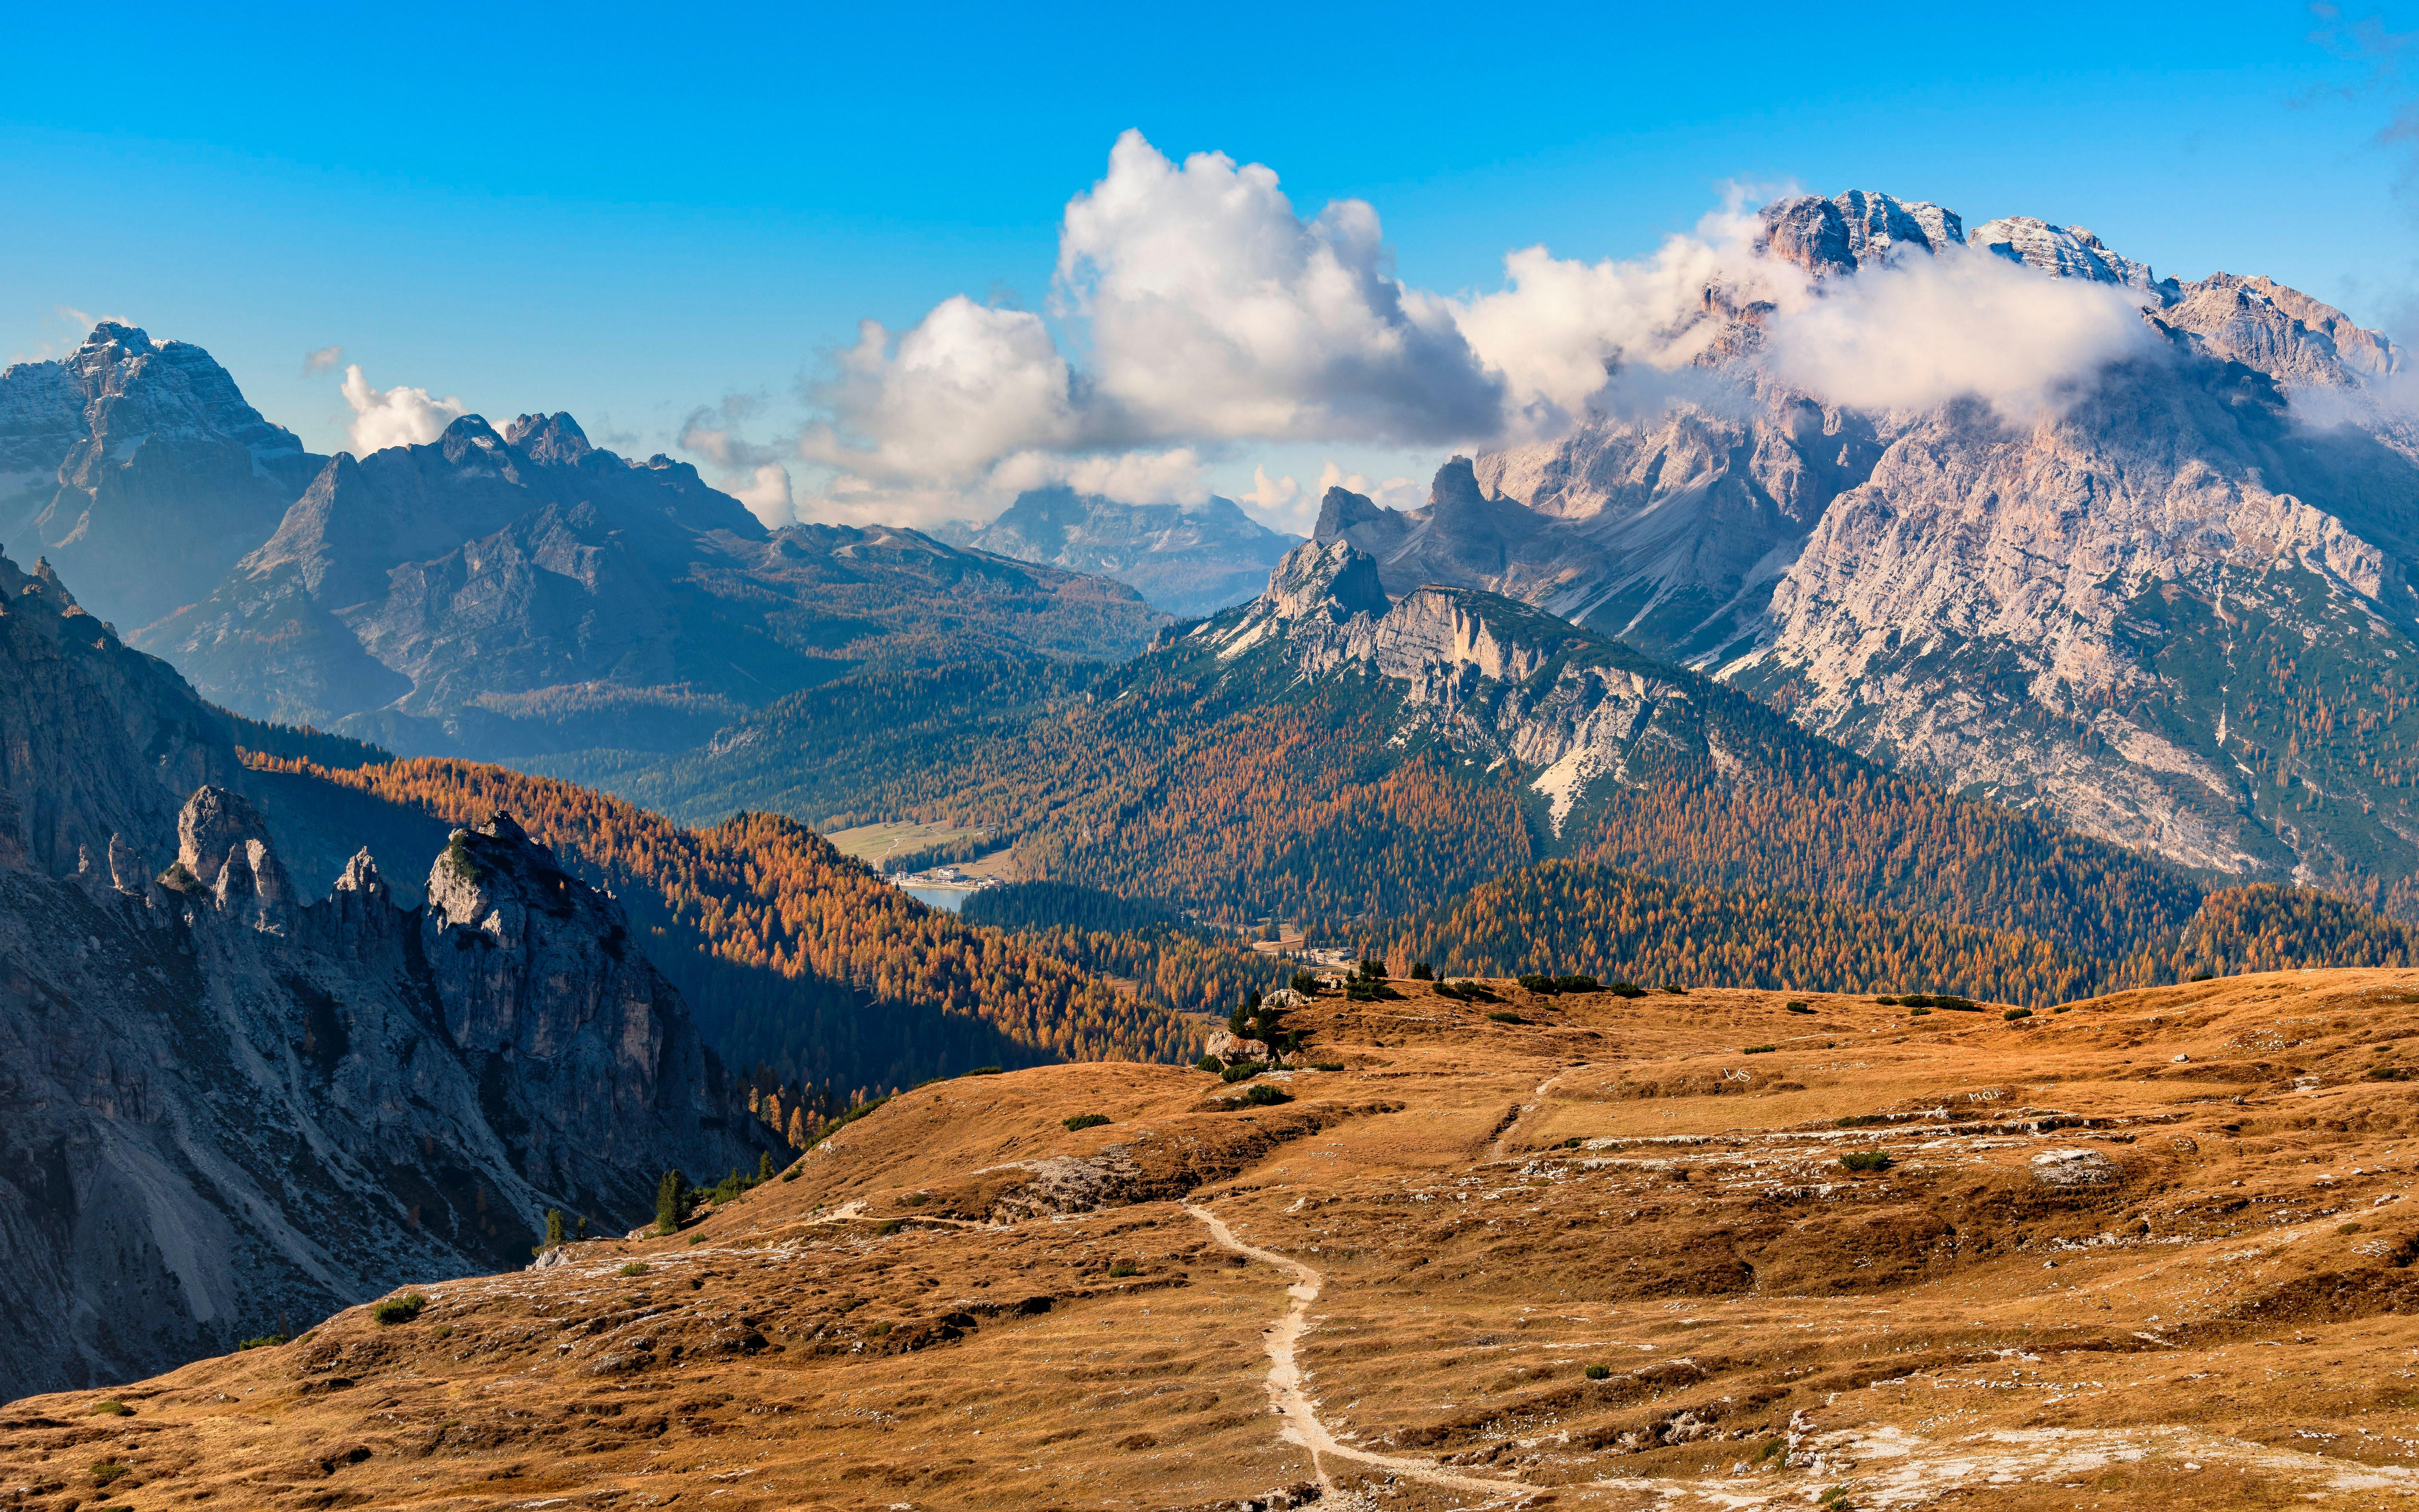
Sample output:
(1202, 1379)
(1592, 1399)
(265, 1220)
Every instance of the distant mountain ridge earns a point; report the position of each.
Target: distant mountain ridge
(140, 469)
(1187, 559)
(523, 592)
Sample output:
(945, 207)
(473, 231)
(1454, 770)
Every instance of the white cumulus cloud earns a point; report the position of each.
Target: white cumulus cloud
(1128, 477)
(1195, 311)
(1214, 309)
(399, 415)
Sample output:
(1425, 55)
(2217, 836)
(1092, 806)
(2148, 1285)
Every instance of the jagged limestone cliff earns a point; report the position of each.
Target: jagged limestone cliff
(233, 1105)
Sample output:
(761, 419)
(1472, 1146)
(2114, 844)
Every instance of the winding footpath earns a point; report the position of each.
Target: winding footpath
(1522, 1112)
(1286, 1392)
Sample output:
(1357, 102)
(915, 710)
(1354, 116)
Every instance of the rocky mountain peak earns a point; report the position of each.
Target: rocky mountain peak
(1855, 229)
(108, 333)
(2066, 251)
(1340, 510)
(555, 440)
(1336, 580)
(222, 841)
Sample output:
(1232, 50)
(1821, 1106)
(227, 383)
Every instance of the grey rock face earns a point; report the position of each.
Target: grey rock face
(1187, 559)
(234, 1108)
(548, 994)
(159, 474)
(1496, 679)
(1839, 236)
(2066, 251)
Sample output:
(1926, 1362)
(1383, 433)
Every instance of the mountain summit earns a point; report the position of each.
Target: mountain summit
(2149, 609)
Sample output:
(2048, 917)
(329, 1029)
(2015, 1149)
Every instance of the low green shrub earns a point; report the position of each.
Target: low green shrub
(1240, 1070)
(1537, 982)
(2014, 1014)
(2390, 1073)
(1597, 1372)
(1921, 1012)
(401, 1309)
(1936, 1000)
(1505, 1018)
(1086, 1121)
(1866, 1160)
(1209, 1063)
(1676, 992)
(635, 1268)
(1625, 989)
(1265, 1096)
(109, 1470)
(1124, 1268)
(1859, 1121)
(790, 1174)
(1796, 1007)
(265, 1341)
(112, 1407)
(986, 1071)
(1760, 1049)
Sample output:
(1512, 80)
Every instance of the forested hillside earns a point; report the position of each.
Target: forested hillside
(1240, 791)
(1566, 915)
(789, 953)
(1242, 779)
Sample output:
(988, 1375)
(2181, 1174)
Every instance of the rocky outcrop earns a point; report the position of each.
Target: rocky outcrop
(1185, 558)
(101, 811)
(546, 992)
(234, 1107)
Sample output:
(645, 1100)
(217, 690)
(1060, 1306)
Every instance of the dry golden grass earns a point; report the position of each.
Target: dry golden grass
(2094, 1274)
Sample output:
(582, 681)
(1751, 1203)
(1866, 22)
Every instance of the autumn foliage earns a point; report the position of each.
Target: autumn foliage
(762, 893)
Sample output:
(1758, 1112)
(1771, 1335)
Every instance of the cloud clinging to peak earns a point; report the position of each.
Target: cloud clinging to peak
(1195, 311)
(399, 415)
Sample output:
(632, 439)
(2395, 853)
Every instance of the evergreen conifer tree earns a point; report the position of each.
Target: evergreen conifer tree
(553, 1228)
(671, 1201)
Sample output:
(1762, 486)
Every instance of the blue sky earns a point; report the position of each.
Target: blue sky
(630, 214)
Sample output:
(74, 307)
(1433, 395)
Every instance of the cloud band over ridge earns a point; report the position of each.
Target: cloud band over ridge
(1208, 313)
